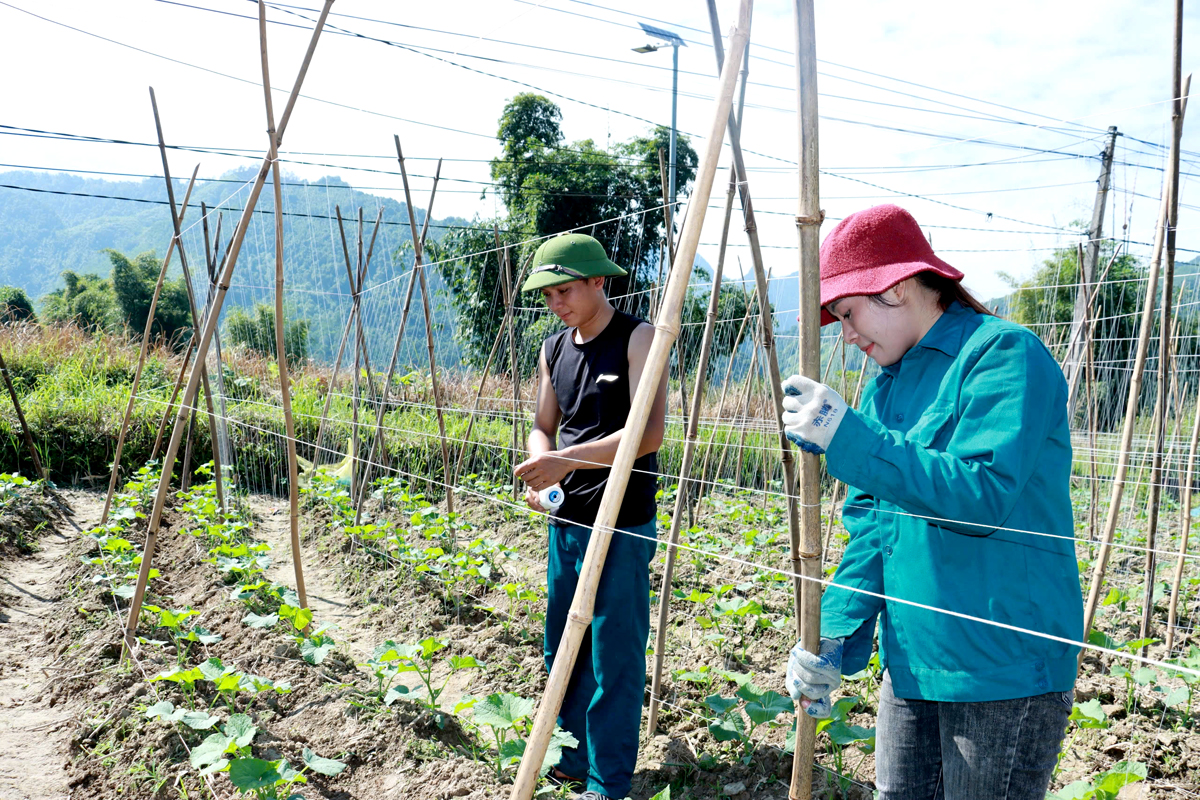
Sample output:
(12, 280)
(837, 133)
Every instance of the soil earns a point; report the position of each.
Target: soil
(75, 724)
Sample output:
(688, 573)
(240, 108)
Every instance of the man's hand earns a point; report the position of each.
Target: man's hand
(542, 470)
(812, 413)
(531, 500)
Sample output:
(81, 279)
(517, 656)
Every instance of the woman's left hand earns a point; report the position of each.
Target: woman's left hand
(812, 413)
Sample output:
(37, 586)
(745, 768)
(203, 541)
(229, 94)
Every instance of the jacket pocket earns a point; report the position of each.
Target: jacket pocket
(934, 421)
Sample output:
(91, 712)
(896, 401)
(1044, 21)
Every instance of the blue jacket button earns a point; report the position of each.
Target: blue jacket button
(1039, 666)
(887, 550)
(899, 418)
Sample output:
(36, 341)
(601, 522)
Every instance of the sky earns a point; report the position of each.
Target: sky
(984, 120)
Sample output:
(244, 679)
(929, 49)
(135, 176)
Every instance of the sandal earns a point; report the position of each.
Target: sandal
(557, 776)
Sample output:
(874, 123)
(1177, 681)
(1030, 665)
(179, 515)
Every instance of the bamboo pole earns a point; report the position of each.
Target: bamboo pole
(666, 331)
(685, 466)
(355, 285)
(838, 485)
(1185, 528)
(378, 442)
(193, 308)
(25, 434)
(285, 387)
(206, 336)
(808, 220)
(359, 350)
(1164, 345)
(1170, 186)
(142, 351)
(487, 368)
(737, 343)
(162, 425)
(418, 265)
(510, 300)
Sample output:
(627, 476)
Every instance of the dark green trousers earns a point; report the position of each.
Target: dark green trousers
(603, 704)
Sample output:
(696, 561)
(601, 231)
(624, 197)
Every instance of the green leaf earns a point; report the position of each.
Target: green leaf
(1089, 715)
(213, 669)
(314, 653)
(502, 711)
(322, 766)
(558, 740)
(160, 710)
(1145, 675)
(288, 773)
(1176, 696)
(1121, 774)
(1101, 639)
(394, 694)
(241, 729)
(300, 617)
(210, 750)
(198, 634)
(767, 707)
(1076, 790)
(844, 734)
(252, 774)
(730, 728)
(199, 720)
(720, 705)
(665, 794)
(255, 621)
(464, 662)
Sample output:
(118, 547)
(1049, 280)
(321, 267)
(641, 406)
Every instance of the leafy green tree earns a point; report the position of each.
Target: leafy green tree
(256, 332)
(548, 187)
(1045, 303)
(731, 308)
(15, 305)
(133, 282)
(86, 300)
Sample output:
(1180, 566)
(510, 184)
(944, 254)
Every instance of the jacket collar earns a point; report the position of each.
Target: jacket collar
(946, 336)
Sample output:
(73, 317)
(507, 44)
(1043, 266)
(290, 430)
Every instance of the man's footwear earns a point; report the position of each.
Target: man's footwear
(590, 795)
(561, 778)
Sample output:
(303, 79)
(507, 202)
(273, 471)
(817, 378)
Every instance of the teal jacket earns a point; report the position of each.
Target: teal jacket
(959, 458)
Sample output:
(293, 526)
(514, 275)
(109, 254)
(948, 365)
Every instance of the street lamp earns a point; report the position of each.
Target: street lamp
(673, 41)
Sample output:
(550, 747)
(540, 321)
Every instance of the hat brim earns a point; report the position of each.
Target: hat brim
(877, 280)
(599, 268)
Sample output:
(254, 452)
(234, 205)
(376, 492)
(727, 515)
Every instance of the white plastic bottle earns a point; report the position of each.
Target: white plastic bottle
(551, 498)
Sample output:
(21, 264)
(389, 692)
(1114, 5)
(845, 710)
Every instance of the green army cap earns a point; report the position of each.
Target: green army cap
(567, 258)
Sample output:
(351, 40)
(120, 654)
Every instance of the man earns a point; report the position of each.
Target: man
(587, 377)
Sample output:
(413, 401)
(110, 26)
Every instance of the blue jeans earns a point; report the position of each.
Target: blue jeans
(996, 750)
(603, 704)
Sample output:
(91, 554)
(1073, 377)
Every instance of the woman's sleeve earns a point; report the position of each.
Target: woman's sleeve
(850, 614)
(1011, 397)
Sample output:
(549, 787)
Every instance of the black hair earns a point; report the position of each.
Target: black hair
(947, 290)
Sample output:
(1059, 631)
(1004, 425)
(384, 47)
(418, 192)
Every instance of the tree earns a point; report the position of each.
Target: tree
(256, 333)
(1046, 304)
(133, 284)
(731, 308)
(86, 301)
(15, 305)
(549, 188)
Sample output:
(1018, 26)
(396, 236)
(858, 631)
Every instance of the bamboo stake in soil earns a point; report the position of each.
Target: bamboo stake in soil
(206, 336)
(419, 266)
(1139, 366)
(487, 368)
(378, 443)
(142, 351)
(25, 434)
(808, 220)
(685, 466)
(193, 308)
(355, 286)
(666, 331)
(1185, 527)
(285, 387)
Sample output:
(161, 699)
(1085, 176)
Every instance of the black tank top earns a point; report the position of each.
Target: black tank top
(591, 382)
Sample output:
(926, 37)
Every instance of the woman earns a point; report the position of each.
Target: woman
(960, 460)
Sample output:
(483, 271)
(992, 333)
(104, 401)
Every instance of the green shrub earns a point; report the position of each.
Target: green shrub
(15, 305)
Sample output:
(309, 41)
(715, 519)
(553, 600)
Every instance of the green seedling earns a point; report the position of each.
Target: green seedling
(384, 666)
(273, 780)
(506, 716)
(234, 739)
(761, 708)
(1106, 785)
(196, 720)
(1086, 716)
(301, 618)
(185, 679)
(418, 658)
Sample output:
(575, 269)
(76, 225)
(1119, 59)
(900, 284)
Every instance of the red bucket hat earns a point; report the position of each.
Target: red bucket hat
(871, 251)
